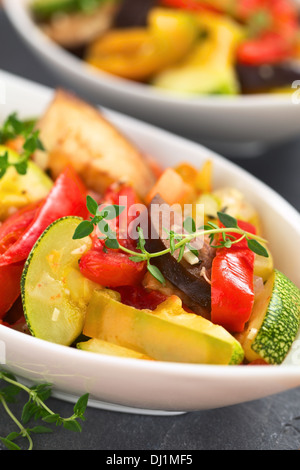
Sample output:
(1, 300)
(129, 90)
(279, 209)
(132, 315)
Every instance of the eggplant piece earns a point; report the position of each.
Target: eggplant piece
(264, 78)
(191, 279)
(133, 13)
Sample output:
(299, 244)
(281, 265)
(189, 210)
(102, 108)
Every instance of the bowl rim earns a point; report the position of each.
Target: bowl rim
(174, 369)
(20, 18)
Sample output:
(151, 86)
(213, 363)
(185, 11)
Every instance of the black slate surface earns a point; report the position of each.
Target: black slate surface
(272, 423)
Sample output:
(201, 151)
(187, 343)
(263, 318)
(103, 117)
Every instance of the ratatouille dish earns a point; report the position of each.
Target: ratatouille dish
(187, 47)
(103, 250)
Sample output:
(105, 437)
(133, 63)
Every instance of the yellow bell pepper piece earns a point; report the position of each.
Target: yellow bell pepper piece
(209, 67)
(139, 53)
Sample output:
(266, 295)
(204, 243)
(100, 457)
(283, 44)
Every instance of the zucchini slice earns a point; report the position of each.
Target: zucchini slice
(274, 321)
(45, 9)
(99, 346)
(55, 295)
(17, 191)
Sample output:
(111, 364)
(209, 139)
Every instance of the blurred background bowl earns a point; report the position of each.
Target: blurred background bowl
(242, 125)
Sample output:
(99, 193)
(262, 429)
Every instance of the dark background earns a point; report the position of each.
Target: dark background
(272, 423)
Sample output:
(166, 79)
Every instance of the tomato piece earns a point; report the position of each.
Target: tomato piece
(111, 268)
(66, 198)
(10, 278)
(232, 289)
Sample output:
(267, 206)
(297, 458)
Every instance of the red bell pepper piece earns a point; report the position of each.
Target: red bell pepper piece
(10, 278)
(195, 5)
(126, 196)
(141, 298)
(66, 198)
(13, 227)
(275, 42)
(111, 268)
(232, 289)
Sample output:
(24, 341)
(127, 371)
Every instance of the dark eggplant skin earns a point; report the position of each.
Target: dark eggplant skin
(265, 78)
(133, 13)
(184, 276)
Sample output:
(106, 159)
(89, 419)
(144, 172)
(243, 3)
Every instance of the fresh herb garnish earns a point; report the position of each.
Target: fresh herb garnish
(35, 409)
(101, 214)
(11, 129)
(178, 241)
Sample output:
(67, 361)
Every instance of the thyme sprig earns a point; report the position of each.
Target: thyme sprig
(35, 409)
(12, 128)
(177, 241)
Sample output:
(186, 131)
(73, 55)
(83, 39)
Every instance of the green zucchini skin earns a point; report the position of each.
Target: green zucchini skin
(37, 310)
(45, 9)
(281, 322)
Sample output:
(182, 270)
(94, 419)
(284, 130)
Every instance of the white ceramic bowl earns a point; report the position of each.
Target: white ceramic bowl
(241, 124)
(156, 387)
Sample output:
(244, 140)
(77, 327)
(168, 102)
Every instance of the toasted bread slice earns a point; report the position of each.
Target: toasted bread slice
(74, 132)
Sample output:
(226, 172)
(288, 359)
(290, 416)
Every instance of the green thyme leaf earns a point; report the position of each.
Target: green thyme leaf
(156, 273)
(91, 205)
(72, 425)
(10, 445)
(52, 418)
(181, 253)
(141, 241)
(189, 225)
(112, 243)
(257, 248)
(11, 129)
(84, 229)
(111, 212)
(227, 220)
(192, 249)
(41, 430)
(136, 259)
(21, 167)
(81, 405)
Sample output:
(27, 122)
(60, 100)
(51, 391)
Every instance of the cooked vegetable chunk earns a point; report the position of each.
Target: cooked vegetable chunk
(166, 334)
(17, 191)
(189, 278)
(54, 293)
(109, 349)
(274, 322)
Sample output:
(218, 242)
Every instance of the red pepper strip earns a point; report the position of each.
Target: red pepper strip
(277, 41)
(13, 227)
(232, 291)
(10, 278)
(140, 298)
(111, 268)
(66, 198)
(123, 195)
(192, 5)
